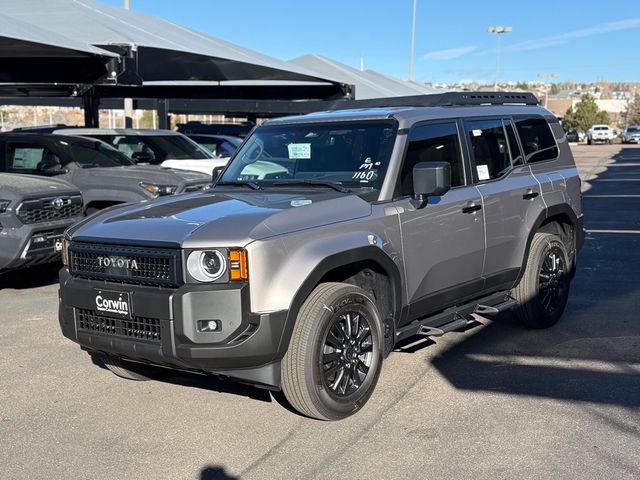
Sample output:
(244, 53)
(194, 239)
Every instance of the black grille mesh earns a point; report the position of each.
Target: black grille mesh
(43, 210)
(140, 328)
(135, 265)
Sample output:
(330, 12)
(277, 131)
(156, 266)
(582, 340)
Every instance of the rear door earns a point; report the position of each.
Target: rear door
(443, 242)
(510, 194)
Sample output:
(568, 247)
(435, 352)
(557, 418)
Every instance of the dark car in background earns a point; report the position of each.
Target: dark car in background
(165, 148)
(222, 146)
(34, 213)
(104, 176)
(232, 129)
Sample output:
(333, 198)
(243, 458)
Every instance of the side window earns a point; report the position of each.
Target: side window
(516, 154)
(432, 143)
(488, 142)
(537, 139)
(24, 157)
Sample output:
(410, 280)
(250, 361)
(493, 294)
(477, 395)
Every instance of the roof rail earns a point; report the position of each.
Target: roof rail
(447, 99)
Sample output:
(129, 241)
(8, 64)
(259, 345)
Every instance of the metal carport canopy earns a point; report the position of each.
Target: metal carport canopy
(153, 56)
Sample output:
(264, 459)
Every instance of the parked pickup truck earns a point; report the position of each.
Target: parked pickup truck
(34, 213)
(600, 133)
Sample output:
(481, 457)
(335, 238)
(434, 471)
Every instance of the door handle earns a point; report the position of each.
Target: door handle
(529, 195)
(471, 207)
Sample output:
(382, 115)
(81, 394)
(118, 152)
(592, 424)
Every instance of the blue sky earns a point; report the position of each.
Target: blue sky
(578, 40)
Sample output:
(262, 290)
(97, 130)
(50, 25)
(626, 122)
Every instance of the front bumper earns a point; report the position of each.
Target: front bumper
(162, 329)
(30, 245)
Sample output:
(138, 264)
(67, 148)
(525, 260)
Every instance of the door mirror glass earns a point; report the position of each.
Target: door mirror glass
(431, 179)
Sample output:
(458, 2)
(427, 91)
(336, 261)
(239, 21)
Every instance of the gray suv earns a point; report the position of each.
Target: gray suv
(104, 176)
(34, 213)
(378, 222)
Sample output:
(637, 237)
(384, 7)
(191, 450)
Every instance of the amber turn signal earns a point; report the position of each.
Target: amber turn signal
(238, 265)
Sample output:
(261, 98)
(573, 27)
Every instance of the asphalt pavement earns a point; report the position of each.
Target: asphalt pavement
(494, 402)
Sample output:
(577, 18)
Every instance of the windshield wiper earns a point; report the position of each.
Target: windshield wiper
(314, 183)
(248, 183)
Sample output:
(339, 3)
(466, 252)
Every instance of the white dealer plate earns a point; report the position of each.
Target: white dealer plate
(111, 303)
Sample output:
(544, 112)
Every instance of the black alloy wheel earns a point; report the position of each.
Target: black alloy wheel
(348, 352)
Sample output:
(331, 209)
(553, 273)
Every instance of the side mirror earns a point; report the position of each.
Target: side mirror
(142, 157)
(431, 179)
(216, 174)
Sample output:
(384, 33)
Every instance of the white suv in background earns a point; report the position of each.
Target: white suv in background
(600, 133)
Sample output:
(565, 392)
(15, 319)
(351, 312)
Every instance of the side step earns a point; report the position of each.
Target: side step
(456, 317)
(458, 324)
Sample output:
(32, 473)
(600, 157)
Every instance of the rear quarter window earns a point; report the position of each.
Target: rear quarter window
(537, 139)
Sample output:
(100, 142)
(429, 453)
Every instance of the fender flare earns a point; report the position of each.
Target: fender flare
(365, 253)
(550, 212)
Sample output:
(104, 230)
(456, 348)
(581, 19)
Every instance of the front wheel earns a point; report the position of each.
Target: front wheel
(334, 358)
(543, 290)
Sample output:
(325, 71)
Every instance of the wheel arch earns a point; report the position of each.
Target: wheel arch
(367, 267)
(560, 220)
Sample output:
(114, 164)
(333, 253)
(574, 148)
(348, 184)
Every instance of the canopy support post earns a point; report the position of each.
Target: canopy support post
(90, 106)
(164, 120)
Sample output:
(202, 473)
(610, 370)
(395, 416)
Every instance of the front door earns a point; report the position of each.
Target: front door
(443, 241)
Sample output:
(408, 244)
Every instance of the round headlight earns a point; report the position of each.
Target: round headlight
(207, 265)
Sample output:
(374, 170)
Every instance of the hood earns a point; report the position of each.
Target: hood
(19, 186)
(216, 218)
(148, 173)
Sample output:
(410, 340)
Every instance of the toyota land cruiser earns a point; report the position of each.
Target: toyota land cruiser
(380, 220)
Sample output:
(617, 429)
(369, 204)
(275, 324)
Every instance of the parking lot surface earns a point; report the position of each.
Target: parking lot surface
(496, 401)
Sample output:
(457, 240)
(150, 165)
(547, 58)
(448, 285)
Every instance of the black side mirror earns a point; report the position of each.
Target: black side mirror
(216, 174)
(431, 179)
(142, 157)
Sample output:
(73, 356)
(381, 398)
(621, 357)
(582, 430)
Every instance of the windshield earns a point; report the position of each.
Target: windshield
(156, 148)
(351, 154)
(93, 154)
(633, 130)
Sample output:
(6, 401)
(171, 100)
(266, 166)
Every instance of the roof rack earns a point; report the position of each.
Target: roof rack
(447, 99)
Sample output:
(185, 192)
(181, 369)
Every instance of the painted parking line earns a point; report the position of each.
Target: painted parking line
(611, 196)
(624, 232)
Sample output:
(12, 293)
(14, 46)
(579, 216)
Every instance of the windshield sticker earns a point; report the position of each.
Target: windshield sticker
(477, 133)
(301, 202)
(483, 172)
(299, 150)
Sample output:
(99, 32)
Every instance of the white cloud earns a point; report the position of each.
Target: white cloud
(450, 53)
(553, 40)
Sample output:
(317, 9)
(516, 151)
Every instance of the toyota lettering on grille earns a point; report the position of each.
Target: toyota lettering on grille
(118, 262)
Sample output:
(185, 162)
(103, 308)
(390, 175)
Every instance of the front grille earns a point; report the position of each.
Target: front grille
(48, 209)
(135, 265)
(140, 328)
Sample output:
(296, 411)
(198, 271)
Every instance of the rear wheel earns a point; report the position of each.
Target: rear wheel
(335, 356)
(543, 290)
(130, 370)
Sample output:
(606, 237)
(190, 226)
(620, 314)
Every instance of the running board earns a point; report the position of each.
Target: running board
(457, 317)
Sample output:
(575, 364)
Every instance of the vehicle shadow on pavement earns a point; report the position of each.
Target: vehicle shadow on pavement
(593, 353)
(214, 472)
(204, 382)
(31, 277)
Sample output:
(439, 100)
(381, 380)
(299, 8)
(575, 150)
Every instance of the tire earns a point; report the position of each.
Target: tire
(323, 367)
(543, 290)
(130, 370)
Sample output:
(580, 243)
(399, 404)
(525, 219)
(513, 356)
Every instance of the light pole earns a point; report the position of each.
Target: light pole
(128, 102)
(499, 31)
(413, 40)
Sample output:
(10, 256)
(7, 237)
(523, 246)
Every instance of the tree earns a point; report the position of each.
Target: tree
(632, 115)
(585, 114)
